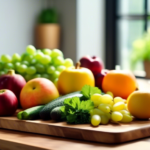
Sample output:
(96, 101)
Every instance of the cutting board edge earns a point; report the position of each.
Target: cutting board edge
(72, 132)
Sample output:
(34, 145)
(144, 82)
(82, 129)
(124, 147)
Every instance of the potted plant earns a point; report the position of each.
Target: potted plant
(141, 52)
(47, 31)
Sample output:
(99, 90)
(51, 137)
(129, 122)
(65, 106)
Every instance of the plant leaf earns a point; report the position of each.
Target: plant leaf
(88, 90)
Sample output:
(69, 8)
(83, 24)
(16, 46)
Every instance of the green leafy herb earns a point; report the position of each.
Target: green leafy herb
(88, 91)
(76, 111)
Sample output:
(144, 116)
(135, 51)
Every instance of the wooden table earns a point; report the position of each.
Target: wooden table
(14, 140)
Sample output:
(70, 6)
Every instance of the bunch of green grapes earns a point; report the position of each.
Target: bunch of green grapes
(36, 63)
(108, 109)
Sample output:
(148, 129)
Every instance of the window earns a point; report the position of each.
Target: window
(126, 20)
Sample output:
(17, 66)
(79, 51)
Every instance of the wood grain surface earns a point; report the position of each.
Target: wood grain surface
(111, 133)
(15, 140)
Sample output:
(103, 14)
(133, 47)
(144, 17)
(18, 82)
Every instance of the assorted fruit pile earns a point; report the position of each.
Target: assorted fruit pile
(47, 86)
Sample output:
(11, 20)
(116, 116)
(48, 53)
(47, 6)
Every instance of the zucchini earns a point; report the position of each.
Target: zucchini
(45, 112)
(56, 114)
(30, 113)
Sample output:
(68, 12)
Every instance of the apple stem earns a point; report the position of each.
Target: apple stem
(10, 72)
(77, 65)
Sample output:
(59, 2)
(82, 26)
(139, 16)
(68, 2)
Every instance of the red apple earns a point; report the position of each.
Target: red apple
(94, 63)
(8, 102)
(99, 78)
(38, 91)
(13, 82)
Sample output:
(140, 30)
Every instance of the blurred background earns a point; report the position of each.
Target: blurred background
(114, 30)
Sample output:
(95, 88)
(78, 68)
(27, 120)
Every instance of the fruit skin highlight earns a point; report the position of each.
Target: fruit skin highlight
(120, 82)
(138, 104)
(73, 79)
(38, 91)
(8, 102)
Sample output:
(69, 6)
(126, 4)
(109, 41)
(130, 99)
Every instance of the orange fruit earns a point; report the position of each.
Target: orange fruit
(138, 104)
(120, 82)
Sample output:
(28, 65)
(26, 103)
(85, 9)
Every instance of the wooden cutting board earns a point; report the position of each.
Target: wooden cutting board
(111, 133)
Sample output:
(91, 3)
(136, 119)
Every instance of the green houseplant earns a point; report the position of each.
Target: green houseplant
(47, 30)
(141, 52)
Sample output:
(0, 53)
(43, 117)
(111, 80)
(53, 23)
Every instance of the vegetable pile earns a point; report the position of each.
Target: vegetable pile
(82, 107)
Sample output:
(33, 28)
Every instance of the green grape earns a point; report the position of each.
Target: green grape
(60, 68)
(58, 61)
(31, 70)
(9, 66)
(111, 104)
(96, 111)
(25, 63)
(118, 99)
(118, 106)
(30, 49)
(5, 70)
(27, 57)
(55, 53)
(55, 81)
(51, 78)
(125, 112)
(50, 69)
(106, 99)
(2, 73)
(110, 93)
(38, 50)
(28, 77)
(40, 68)
(1, 65)
(37, 76)
(116, 116)
(126, 118)
(33, 61)
(104, 119)
(96, 98)
(22, 68)
(22, 74)
(16, 57)
(24, 55)
(6, 58)
(104, 107)
(17, 64)
(126, 108)
(95, 120)
(68, 62)
(56, 74)
(108, 115)
(39, 55)
(45, 60)
(47, 51)
(44, 75)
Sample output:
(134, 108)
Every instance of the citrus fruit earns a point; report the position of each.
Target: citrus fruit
(138, 104)
(120, 82)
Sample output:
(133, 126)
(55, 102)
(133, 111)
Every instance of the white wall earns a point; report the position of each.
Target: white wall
(82, 26)
(17, 19)
(90, 28)
(67, 11)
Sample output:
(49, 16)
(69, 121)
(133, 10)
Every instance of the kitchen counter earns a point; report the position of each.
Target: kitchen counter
(15, 140)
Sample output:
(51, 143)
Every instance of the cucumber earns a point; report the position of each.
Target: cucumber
(56, 114)
(30, 113)
(45, 112)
